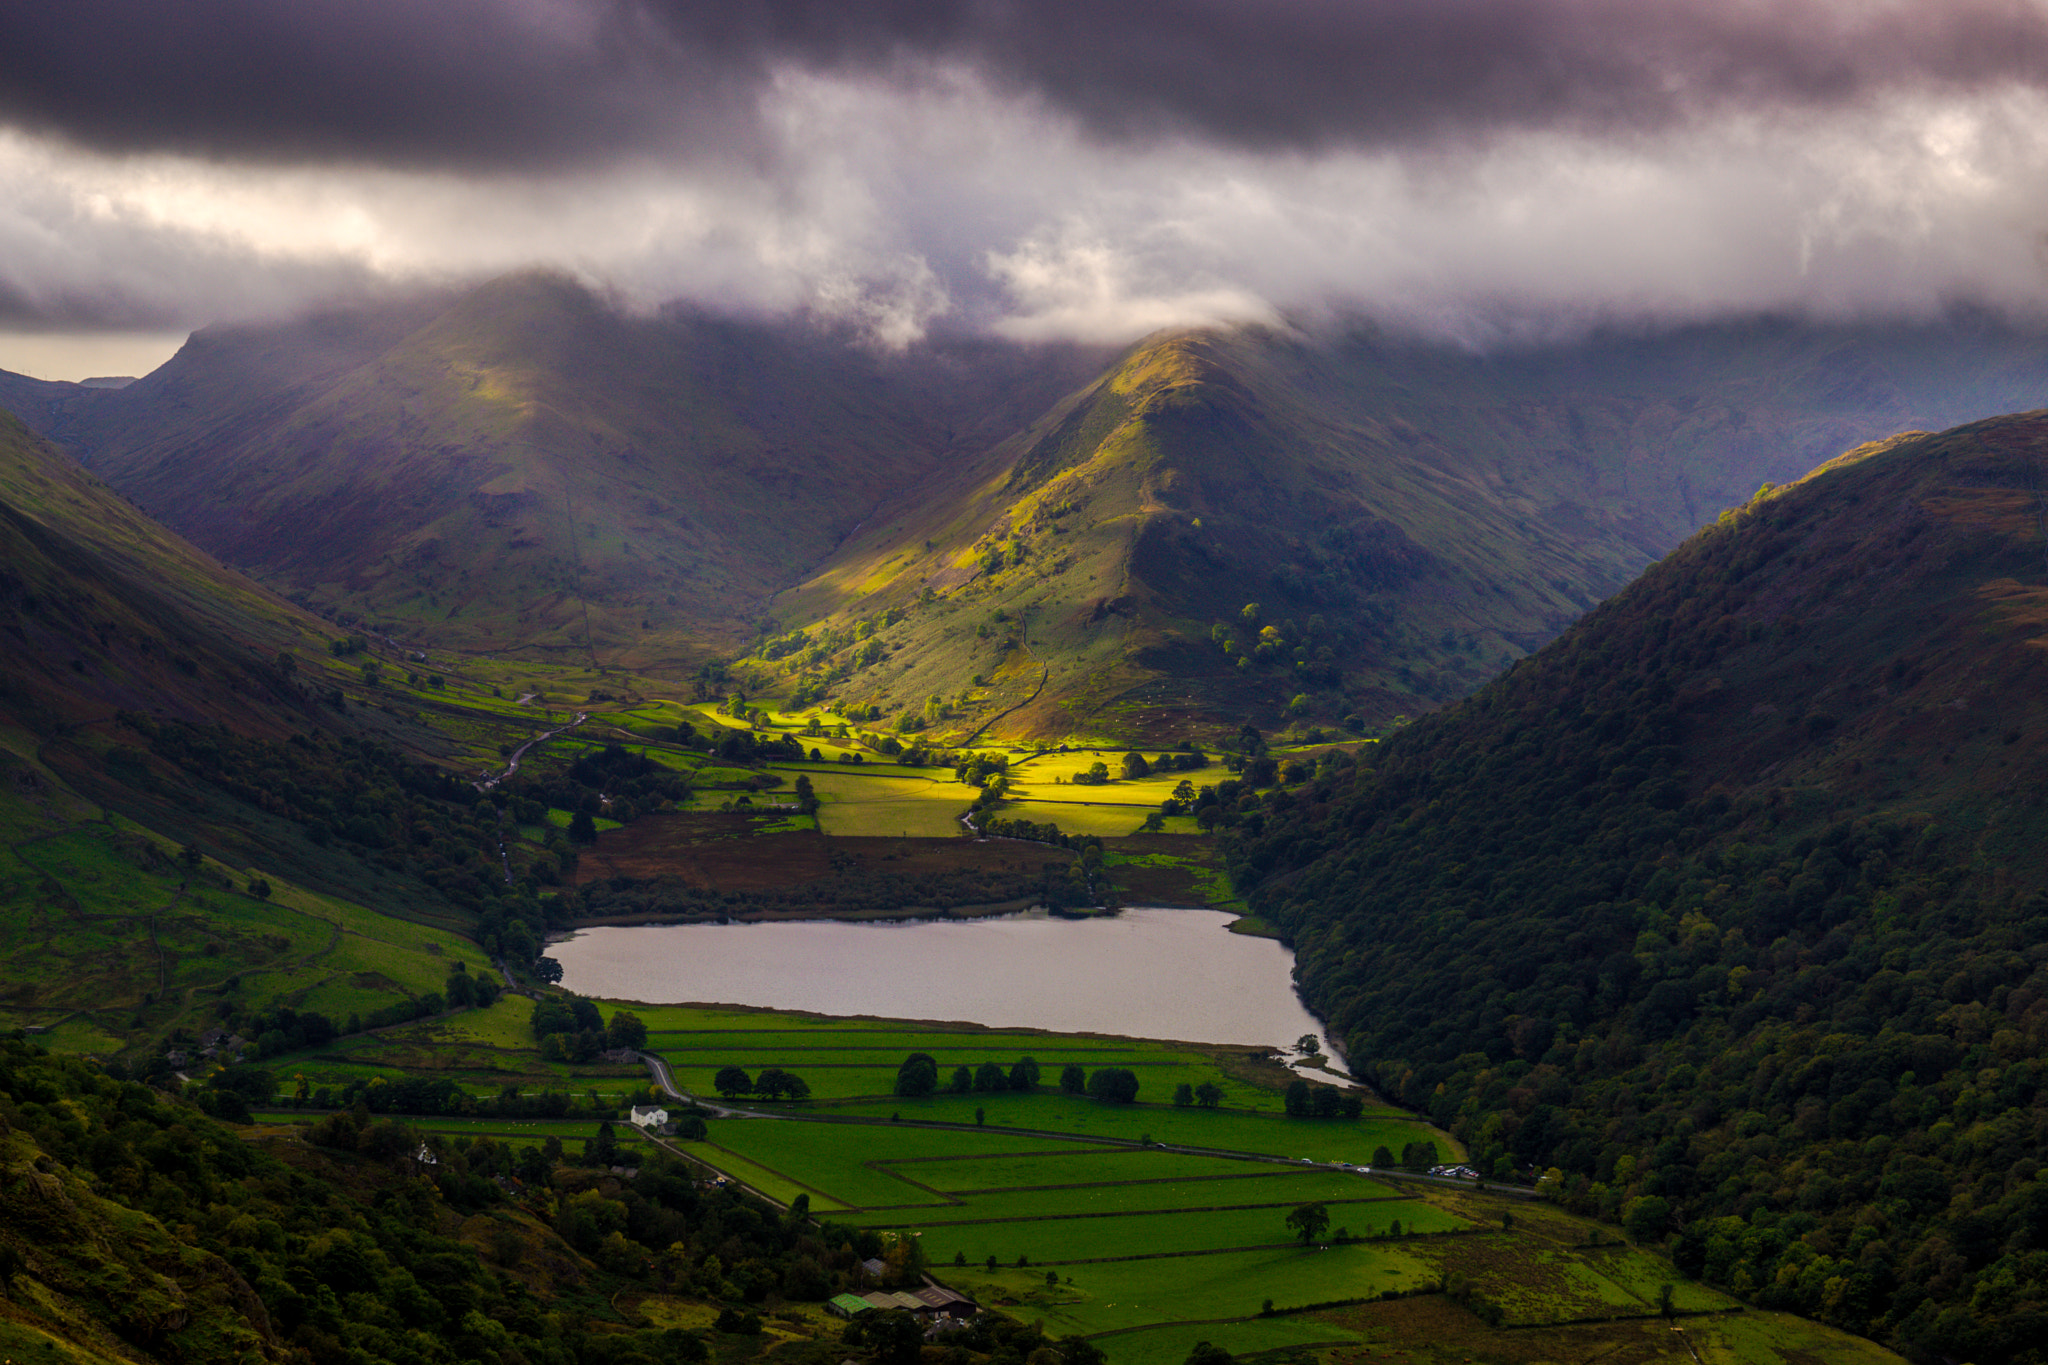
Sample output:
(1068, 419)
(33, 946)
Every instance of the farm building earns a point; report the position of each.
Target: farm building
(649, 1116)
(847, 1305)
(943, 1302)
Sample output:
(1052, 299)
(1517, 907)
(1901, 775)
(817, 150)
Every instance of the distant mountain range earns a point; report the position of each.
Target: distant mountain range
(1044, 541)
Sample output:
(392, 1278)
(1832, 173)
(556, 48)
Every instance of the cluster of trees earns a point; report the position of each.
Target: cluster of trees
(614, 782)
(772, 1084)
(431, 1096)
(824, 658)
(1799, 1034)
(1254, 641)
(1115, 1084)
(281, 1029)
(1305, 1101)
(571, 1029)
(1190, 759)
(1415, 1156)
(1206, 1095)
(919, 1075)
(1036, 832)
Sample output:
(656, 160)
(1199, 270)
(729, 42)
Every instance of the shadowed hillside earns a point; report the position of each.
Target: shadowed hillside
(520, 467)
(104, 610)
(1727, 909)
(1407, 520)
(983, 539)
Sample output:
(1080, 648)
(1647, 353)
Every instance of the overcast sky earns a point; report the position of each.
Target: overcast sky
(1480, 169)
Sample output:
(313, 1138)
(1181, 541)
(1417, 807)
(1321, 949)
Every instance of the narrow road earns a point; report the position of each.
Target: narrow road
(658, 1069)
(504, 856)
(520, 752)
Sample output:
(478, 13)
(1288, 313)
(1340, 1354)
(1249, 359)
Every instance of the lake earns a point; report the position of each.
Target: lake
(1146, 973)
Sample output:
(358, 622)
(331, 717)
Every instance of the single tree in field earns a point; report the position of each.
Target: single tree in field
(962, 1082)
(731, 1080)
(1073, 1080)
(582, 829)
(1309, 1222)
(1206, 1354)
(1208, 1095)
(1183, 1095)
(919, 1074)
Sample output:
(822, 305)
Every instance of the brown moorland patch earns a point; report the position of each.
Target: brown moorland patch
(1434, 1330)
(718, 851)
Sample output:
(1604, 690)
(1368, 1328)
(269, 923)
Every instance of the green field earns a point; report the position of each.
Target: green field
(1250, 1190)
(1265, 1133)
(131, 937)
(1077, 1166)
(856, 802)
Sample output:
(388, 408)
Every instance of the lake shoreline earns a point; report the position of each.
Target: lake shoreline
(1148, 972)
(906, 914)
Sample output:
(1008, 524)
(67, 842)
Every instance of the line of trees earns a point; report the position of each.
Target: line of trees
(919, 1075)
(1115, 1084)
(772, 1084)
(1322, 1102)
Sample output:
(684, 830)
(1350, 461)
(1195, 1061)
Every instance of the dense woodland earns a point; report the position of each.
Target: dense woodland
(150, 1227)
(1717, 967)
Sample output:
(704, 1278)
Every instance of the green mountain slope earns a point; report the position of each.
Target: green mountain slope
(1727, 909)
(518, 467)
(1407, 520)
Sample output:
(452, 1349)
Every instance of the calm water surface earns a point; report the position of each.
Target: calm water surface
(1148, 973)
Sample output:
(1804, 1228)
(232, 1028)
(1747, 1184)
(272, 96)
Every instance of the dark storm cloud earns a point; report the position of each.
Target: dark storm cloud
(461, 84)
(522, 84)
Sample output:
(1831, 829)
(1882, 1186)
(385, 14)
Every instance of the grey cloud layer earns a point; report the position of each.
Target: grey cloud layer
(1045, 169)
(525, 84)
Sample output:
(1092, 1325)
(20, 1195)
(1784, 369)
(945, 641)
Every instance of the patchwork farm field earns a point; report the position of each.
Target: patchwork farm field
(1068, 1210)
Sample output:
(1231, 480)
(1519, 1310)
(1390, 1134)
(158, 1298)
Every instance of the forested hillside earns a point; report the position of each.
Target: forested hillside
(1725, 914)
(133, 1228)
